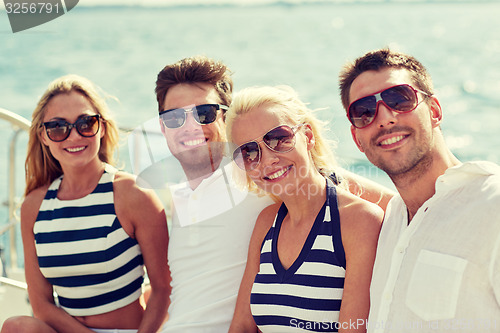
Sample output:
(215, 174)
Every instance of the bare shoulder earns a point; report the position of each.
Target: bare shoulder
(135, 206)
(31, 204)
(124, 179)
(358, 216)
(127, 190)
(265, 221)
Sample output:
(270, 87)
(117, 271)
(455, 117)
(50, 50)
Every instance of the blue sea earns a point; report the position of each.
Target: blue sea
(122, 48)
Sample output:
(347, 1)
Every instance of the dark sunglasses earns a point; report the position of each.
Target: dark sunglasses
(203, 114)
(280, 139)
(402, 98)
(59, 130)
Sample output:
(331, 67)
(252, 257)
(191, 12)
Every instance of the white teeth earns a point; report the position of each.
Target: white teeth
(194, 142)
(392, 140)
(74, 150)
(277, 174)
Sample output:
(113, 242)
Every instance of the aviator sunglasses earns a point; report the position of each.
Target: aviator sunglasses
(280, 139)
(401, 98)
(59, 130)
(203, 114)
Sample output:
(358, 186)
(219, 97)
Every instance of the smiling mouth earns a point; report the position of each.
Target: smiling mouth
(278, 173)
(194, 142)
(392, 140)
(75, 150)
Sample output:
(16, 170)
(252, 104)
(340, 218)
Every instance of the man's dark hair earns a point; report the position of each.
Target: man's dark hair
(192, 70)
(380, 59)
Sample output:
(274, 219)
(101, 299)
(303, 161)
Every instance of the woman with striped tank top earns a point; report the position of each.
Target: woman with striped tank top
(88, 230)
(310, 258)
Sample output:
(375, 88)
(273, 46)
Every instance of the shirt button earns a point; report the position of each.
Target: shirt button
(401, 250)
(387, 297)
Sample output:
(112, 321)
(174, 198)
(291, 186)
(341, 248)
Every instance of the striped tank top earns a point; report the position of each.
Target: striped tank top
(307, 295)
(92, 263)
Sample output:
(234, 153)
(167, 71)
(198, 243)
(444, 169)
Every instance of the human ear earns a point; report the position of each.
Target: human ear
(355, 138)
(43, 137)
(103, 128)
(162, 126)
(435, 111)
(311, 141)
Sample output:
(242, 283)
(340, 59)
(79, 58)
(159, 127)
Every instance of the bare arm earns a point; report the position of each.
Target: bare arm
(360, 227)
(145, 215)
(40, 291)
(368, 189)
(243, 320)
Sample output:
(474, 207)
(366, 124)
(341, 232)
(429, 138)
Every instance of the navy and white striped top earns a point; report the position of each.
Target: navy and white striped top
(83, 251)
(306, 296)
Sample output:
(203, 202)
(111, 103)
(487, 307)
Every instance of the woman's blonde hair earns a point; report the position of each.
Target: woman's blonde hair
(296, 112)
(41, 167)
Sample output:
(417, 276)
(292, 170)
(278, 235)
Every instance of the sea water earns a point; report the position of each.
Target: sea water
(122, 49)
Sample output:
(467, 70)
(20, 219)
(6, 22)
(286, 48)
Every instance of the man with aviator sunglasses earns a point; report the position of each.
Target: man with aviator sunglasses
(438, 259)
(212, 219)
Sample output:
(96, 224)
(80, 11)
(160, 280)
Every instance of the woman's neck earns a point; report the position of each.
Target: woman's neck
(307, 199)
(80, 181)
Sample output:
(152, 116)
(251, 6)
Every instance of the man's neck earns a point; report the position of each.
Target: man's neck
(196, 175)
(418, 185)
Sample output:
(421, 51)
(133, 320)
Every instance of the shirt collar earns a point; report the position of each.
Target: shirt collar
(464, 173)
(183, 189)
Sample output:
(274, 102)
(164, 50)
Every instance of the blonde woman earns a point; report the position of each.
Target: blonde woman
(310, 257)
(88, 230)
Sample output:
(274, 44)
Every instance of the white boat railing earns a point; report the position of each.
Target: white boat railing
(19, 124)
(13, 295)
(13, 283)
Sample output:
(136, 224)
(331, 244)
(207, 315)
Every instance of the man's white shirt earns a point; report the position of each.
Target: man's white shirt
(442, 271)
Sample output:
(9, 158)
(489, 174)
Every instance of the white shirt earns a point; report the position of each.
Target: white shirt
(207, 251)
(442, 271)
(213, 196)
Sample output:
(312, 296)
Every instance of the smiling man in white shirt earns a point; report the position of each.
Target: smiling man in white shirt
(212, 218)
(438, 260)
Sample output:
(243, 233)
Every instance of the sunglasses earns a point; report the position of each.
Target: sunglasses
(59, 130)
(203, 114)
(280, 139)
(402, 98)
